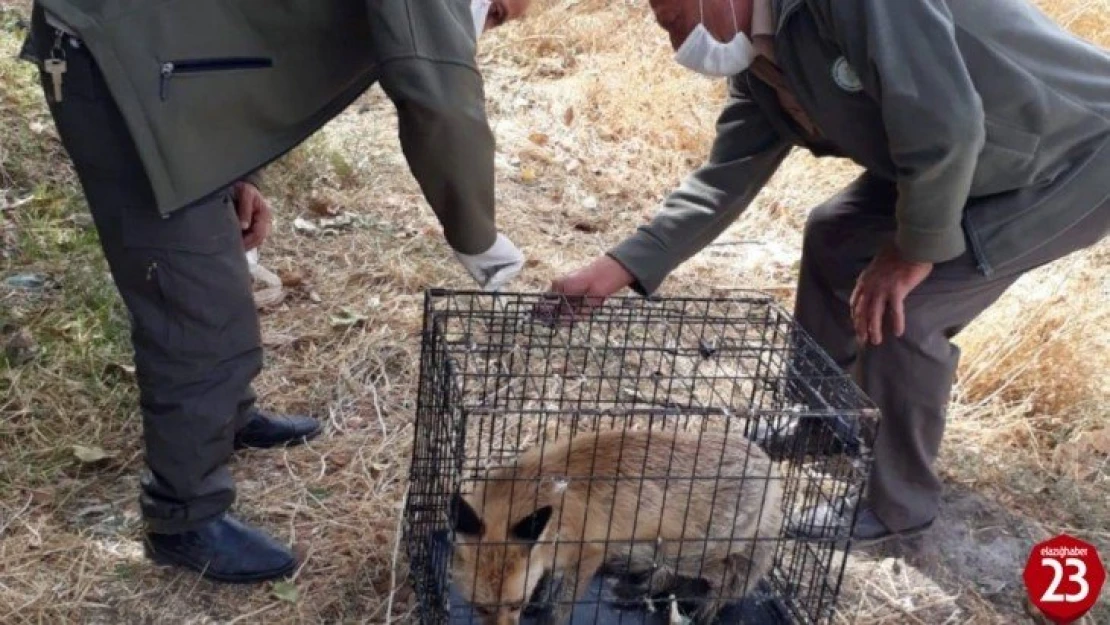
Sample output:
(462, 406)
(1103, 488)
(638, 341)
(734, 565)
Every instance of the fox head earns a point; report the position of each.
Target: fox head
(496, 565)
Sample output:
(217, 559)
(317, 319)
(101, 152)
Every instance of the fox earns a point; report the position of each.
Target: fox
(663, 508)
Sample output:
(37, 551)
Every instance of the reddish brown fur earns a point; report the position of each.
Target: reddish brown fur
(626, 524)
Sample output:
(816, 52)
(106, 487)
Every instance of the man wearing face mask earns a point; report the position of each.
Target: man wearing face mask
(984, 130)
(167, 109)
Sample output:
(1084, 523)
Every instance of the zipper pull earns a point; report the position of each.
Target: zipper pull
(167, 73)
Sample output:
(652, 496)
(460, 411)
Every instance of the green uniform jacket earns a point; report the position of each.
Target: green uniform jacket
(213, 90)
(993, 121)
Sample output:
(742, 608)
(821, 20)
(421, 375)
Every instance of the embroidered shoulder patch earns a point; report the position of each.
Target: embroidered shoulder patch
(846, 77)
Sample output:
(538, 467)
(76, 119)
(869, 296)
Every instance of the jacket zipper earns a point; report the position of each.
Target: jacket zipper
(820, 143)
(789, 7)
(196, 66)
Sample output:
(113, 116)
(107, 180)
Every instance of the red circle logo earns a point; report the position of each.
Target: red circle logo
(1064, 577)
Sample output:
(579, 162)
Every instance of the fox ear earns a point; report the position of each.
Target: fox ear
(531, 527)
(466, 520)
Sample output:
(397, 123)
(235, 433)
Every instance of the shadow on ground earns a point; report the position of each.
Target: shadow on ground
(966, 568)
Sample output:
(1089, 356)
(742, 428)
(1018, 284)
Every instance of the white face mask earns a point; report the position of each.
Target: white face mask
(479, 11)
(702, 53)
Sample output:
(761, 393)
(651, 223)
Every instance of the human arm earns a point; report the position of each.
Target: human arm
(908, 59)
(254, 212)
(745, 154)
(427, 68)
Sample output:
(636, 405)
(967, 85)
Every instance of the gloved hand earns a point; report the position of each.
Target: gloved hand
(495, 267)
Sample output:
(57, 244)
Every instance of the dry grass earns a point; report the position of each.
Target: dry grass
(594, 123)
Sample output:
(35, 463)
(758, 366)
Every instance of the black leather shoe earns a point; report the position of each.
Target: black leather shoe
(224, 550)
(265, 430)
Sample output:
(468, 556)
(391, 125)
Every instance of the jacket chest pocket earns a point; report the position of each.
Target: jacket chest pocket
(835, 96)
(184, 68)
(190, 280)
(850, 119)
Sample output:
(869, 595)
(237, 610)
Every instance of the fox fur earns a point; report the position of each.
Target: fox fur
(624, 503)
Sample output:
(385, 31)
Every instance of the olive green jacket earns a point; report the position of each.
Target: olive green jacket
(213, 90)
(993, 121)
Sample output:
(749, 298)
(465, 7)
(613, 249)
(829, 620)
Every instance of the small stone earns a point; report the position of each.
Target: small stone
(27, 281)
(290, 278)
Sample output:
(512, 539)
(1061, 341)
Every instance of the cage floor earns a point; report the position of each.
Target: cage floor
(762, 608)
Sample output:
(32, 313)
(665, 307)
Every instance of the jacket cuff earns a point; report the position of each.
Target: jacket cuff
(645, 257)
(254, 178)
(928, 246)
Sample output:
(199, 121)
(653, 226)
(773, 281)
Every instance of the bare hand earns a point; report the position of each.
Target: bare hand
(591, 285)
(255, 216)
(882, 287)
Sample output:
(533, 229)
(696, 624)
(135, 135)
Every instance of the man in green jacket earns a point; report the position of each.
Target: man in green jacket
(167, 109)
(984, 130)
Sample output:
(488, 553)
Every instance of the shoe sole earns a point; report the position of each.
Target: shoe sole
(293, 442)
(838, 537)
(910, 533)
(255, 578)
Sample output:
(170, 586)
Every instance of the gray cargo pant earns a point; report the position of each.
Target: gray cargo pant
(186, 284)
(909, 378)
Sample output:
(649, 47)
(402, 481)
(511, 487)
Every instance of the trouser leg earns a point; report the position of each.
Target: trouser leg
(846, 231)
(821, 302)
(186, 285)
(245, 408)
(909, 378)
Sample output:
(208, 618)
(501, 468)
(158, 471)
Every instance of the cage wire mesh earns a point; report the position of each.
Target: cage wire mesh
(649, 462)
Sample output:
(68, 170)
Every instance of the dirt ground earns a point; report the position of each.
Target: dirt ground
(594, 125)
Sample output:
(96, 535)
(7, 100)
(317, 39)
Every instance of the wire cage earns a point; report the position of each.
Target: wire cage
(649, 460)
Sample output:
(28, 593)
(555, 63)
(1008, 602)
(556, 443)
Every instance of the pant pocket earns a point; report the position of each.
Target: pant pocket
(210, 310)
(209, 226)
(201, 311)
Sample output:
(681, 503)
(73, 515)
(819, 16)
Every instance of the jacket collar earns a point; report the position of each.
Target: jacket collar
(783, 9)
(763, 19)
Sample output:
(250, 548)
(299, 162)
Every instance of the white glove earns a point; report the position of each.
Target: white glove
(496, 266)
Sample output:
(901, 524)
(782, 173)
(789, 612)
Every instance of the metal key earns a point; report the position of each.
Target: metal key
(55, 67)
